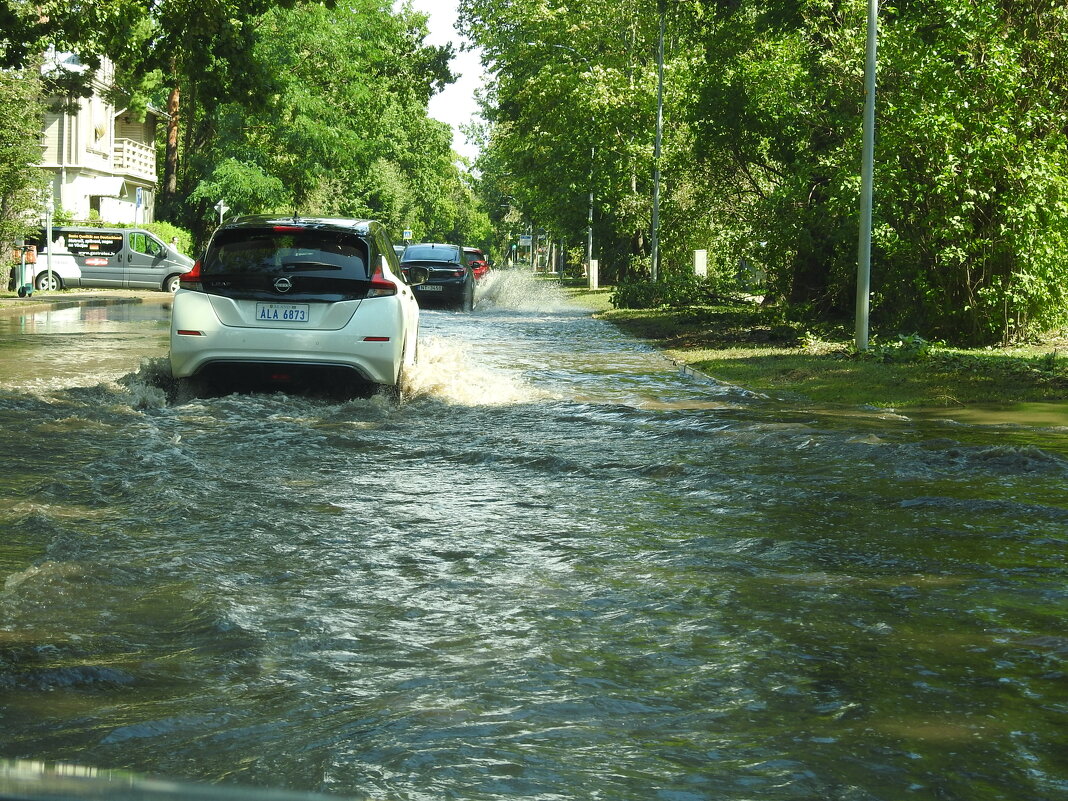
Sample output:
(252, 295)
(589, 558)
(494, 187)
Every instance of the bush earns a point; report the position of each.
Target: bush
(673, 291)
(166, 231)
(907, 349)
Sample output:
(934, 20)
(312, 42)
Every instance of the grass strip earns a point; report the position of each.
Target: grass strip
(752, 347)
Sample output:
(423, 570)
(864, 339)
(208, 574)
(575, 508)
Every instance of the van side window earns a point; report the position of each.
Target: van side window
(142, 243)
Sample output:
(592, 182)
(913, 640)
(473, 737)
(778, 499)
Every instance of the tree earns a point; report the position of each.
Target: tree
(21, 182)
(343, 131)
(970, 182)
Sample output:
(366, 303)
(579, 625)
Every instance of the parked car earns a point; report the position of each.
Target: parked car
(126, 258)
(451, 282)
(295, 301)
(476, 259)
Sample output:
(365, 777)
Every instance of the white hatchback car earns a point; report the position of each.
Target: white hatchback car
(280, 302)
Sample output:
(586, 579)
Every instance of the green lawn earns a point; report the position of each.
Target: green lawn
(747, 346)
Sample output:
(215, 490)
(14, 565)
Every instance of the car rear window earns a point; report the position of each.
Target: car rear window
(473, 255)
(273, 252)
(432, 253)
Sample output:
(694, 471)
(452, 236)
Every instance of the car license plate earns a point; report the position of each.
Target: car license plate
(282, 312)
(428, 287)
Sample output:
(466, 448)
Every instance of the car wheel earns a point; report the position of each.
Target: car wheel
(468, 302)
(171, 284)
(399, 391)
(47, 281)
(190, 389)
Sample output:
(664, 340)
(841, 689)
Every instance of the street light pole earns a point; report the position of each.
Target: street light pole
(655, 243)
(589, 215)
(867, 181)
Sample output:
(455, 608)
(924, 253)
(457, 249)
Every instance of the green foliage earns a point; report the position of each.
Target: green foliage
(905, 349)
(763, 102)
(169, 232)
(674, 291)
(22, 184)
(343, 131)
(245, 187)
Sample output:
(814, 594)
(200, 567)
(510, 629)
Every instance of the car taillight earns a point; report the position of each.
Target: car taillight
(191, 279)
(380, 285)
(458, 273)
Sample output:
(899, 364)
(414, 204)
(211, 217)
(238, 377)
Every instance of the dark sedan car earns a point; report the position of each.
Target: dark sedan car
(451, 282)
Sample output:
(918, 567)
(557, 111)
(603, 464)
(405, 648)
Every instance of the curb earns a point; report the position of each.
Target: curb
(704, 378)
(31, 305)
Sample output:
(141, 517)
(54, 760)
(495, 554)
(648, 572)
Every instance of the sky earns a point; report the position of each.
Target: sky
(456, 104)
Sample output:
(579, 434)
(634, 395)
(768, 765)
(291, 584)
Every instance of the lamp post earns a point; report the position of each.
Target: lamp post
(867, 180)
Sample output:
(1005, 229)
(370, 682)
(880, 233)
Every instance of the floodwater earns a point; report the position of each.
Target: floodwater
(560, 570)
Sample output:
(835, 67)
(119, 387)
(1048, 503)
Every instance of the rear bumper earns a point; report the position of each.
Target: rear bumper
(450, 293)
(202, 344)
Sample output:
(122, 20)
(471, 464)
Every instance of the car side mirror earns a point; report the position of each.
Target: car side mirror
(416, 275)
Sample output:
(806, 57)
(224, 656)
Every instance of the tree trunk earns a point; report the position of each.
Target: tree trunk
(170, 169)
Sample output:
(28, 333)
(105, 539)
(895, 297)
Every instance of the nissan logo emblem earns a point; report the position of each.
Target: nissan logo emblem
(283, 284)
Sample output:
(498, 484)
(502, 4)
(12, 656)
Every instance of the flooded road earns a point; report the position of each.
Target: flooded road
(560, 570)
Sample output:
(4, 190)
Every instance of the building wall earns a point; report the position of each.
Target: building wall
(100, 157)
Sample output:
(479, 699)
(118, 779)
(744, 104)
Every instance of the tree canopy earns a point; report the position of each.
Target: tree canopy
(762, 135)
(274, 105)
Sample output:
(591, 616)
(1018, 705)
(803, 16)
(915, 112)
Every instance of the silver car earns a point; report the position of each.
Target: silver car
(284, 302)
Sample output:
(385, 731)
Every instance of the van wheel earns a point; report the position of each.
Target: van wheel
(43, 283)
(171, 284)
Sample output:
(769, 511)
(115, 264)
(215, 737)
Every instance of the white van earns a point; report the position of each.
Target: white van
(125, 258)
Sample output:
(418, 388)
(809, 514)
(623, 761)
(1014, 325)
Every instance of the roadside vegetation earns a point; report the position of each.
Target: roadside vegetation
(761, 152)
(286, 106)
(756, 347)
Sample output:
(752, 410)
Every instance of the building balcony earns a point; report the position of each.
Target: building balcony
(135, 159)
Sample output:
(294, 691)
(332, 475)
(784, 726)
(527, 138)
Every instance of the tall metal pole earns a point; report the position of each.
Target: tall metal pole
(655, 261)
(50, 210)
(867, 180)
(589, 215)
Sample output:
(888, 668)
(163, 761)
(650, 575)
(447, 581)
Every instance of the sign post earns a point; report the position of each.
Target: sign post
(50, 207)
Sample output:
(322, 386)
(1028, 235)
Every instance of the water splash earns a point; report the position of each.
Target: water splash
(518, 290)
(444, 372)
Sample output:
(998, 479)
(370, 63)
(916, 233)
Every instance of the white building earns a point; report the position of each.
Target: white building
(103, 158)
